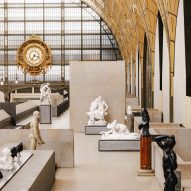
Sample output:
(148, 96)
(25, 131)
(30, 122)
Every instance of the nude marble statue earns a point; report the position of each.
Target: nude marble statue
(34, 136)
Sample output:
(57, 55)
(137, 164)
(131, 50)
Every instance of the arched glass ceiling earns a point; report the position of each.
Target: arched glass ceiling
(70, 27)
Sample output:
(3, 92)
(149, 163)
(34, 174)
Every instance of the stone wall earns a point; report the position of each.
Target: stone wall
(90, 79)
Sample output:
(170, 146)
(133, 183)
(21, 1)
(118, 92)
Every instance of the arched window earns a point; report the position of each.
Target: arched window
(72, 30)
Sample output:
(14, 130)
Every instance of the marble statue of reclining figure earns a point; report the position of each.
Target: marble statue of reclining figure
(118, 131)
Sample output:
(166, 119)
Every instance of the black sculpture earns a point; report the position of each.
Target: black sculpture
(166, 143)
(1, 175)
(145, 122)
(19, 148)
(13, 152)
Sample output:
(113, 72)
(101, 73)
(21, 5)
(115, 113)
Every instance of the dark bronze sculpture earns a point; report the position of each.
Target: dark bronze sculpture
(13, 152)
(19, 148)
(166, 143)
(145, 122)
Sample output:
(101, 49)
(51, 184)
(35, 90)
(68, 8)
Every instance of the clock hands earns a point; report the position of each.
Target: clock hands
(35, 56)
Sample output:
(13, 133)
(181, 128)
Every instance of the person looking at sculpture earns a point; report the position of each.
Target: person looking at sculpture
(34, 136)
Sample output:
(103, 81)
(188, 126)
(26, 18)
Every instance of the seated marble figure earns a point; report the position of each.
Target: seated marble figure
(98, 111)
(45, 93)
(118, 131)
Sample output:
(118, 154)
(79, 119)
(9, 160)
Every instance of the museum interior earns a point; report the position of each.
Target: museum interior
(95, 95)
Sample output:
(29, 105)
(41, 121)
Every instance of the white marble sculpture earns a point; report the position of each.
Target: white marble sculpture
(129, 110)
(45, 93)
(2, 97)
(98, 111)
(6, 161)
(118, 131)
(34, 136)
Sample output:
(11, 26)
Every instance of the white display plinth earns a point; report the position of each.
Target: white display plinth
(45, 114)
(95, 129)
(118, 145)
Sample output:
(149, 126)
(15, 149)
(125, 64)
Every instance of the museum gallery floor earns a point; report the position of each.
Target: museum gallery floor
(100, 171)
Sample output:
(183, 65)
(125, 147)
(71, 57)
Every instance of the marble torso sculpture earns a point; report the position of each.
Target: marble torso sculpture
(2, 97)
(34, 136)
(45, 92)
(118, 131)
(166, 143)
(98, 111)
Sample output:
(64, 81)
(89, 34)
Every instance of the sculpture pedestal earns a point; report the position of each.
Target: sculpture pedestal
(118, 145)
(145, 156)
(95, 129)
(145, 152)
(45, 114)
(145, 172)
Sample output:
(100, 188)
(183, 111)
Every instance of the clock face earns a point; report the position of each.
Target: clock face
(34, 56)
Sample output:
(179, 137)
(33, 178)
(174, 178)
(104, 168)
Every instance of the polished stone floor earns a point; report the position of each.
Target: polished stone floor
(102, 171)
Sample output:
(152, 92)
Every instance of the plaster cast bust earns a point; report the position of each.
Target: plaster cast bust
(34, 136)
(118, 131)
(98, 111)
(2, 97)
(45, 92)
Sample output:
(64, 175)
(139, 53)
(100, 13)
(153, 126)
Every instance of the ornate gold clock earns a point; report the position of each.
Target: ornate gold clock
(34, 56)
